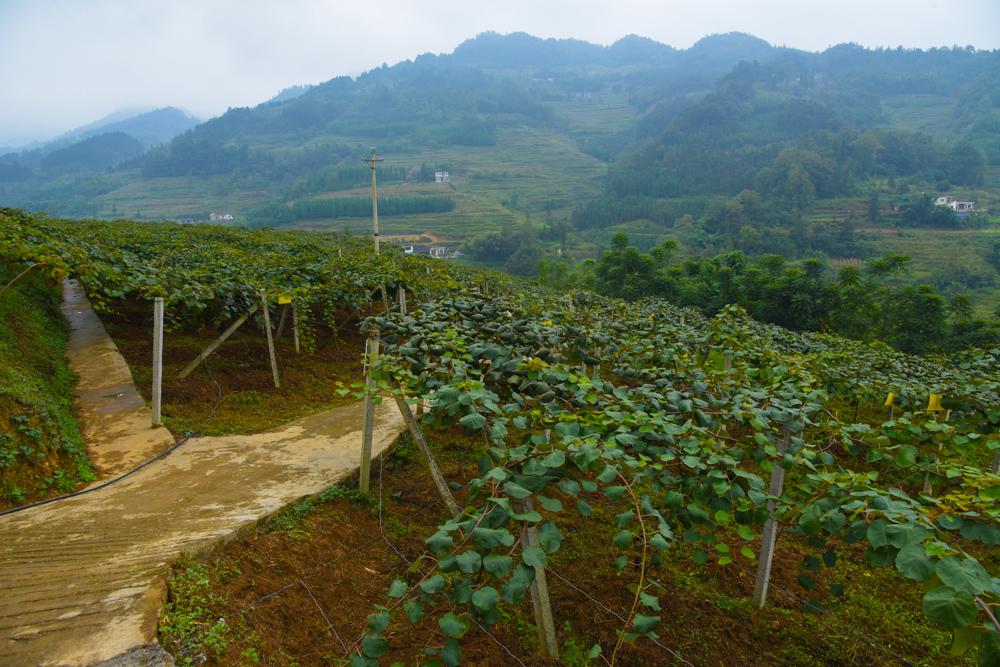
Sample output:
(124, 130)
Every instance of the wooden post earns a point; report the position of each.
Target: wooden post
(595, 373)
(401, 297)
(540, 601)
(295, 327)
(214, 345)
(418, 437)
(727, 361)
(157, 359)
(270, 340)
(995, 468)
(282, 321)
(368, 425)
(770, 526)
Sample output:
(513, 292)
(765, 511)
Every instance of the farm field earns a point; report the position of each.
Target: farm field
(541, 167)
(638, 451)
(939, 255)
(335, 545)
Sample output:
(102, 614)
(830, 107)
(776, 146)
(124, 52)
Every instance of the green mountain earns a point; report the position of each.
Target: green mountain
(745, 145)
(101, 151)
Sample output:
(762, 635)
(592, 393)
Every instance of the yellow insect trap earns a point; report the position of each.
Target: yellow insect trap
(890, 399)
(934, 403)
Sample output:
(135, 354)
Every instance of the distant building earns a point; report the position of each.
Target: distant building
(438, 252)
(955, 205)
(441, 177)
(185, 221)
(219, 217)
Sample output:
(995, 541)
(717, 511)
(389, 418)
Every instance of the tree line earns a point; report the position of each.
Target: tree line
(277, 213)
(872, 302)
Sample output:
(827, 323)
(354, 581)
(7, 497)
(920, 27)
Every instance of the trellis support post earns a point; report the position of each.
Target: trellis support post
(770, 526)
(157, 359)
(368, 424)
(270, 340)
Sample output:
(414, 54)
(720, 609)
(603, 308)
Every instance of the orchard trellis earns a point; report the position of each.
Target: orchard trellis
(676, 419)
(682, 434)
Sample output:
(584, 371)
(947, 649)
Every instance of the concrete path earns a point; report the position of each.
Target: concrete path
(113, 416)
(82, 580)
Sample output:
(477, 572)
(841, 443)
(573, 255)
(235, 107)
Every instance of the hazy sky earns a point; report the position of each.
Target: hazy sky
(64, 63)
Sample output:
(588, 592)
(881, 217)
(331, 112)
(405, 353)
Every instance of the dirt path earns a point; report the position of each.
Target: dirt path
(82, 580)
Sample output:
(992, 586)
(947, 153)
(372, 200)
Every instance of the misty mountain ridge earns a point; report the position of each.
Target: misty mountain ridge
(636, 109)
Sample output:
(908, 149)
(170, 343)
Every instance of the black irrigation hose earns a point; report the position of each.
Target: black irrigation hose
(166, 452)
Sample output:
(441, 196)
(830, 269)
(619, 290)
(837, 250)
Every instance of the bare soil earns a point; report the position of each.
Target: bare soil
(238, 375)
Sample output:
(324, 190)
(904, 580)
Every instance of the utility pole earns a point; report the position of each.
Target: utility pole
(373, 163)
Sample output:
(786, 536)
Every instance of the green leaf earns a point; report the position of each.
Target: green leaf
(514, 589)
(488, 538)
(624, 519)
(451, 653)
(534, 556)
(414, 610)
(432, 585)
(550, 537)
(498, 564)
(516, 491)
(472, 422)
(453, 626)
(378, 622)
(644, 623)
(374, 647)
(650, 601)
(876, 533)
(439, 543)
(550, 504)
(948, 607)
(615, 492)
(469, 562)
(398, 589)
(967, 575)
(658, 542)
(583, 507)
(554, 460)
(913, 563)
(809, 520)
(484, 602)
(906, 456)
(623, 540)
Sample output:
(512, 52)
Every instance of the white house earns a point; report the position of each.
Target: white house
(441, 177)
(955, 205)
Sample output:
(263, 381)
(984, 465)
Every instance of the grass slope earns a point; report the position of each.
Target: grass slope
(41, 450)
